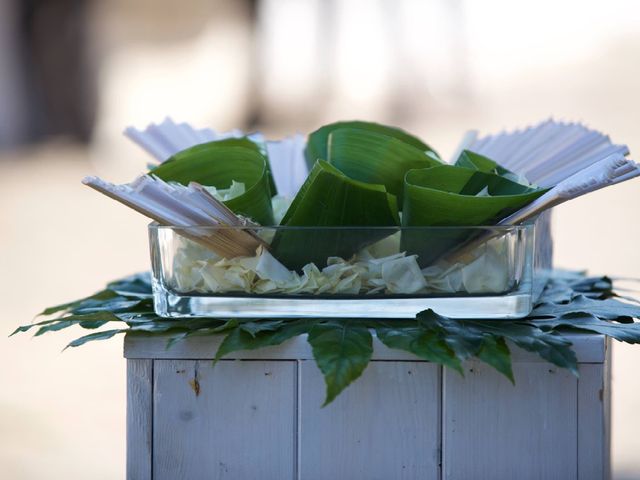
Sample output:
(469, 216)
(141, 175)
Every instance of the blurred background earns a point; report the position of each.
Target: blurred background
(74, 73)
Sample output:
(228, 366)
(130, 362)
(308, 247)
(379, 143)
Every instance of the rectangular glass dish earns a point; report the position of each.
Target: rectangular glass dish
(343, 272)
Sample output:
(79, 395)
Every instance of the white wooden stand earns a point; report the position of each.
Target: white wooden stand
(258, 415)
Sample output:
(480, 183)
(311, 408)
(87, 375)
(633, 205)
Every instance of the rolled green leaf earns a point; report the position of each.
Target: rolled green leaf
(374, 157)
(217, 164)
(329, 198)
(317, 144)
(475, 161)
(258, 147)
(448, 195)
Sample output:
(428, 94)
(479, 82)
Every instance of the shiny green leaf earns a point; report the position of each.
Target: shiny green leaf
(217, 164)
(624, 332)
(239, 339)
(495, 352)
(373, 157)
(104, 335)
(447, 196)
(426, 343)
(317, 143)
(342, 350)
(329, 198)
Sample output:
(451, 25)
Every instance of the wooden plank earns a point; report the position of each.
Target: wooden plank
(494, 430)
(594, 412)
(384, 426)
(232, 420)
(139, 419)
(591, 438)
(589, 349)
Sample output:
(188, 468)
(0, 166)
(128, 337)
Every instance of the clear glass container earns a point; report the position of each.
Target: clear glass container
(343, 272)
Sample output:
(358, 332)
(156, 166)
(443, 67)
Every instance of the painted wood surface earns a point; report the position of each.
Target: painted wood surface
(493, 430)
(139, 419)
(593, 422)
(232, 421)
(261, 417)
(589, 348)
(384, 426)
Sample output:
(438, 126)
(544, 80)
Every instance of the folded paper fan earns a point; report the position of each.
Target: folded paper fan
(568, 158)
(286, 156)
(191, 207)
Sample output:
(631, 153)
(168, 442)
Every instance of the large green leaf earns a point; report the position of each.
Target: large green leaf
(137, 285)
(328, 198)
(104, 335)
(609, 308)
(426, 343)
(448, 196)
(475, 161)
(217, 164)
(317, 143)
(467, 342)
(547, 344)
(256, 336)
(261, 148)
(96, 298)
(495, 352)
(624, 332)
(342, 350)
(373, 157)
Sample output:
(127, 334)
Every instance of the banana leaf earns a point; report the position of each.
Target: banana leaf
(329, 198)
(317, 143)
(449, 195)
(475, 161)
(217, 164)
(261, 148)
(374, 157)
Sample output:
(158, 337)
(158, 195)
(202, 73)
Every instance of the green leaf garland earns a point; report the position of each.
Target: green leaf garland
(343, 348)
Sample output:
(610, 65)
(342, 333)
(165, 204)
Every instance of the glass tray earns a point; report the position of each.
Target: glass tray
(343, 272)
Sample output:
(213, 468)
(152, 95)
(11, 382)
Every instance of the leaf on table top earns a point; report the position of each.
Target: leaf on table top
(317, 143)
(239, 338)
(114, 305)
(342, 350)
(467, 342)
(547, 344)
(624, 332)
(104, 335)
(218, 164)
(88, 321)
(137, 285)
(329, 198)
(426, 343)
(377, 158)
(464, 342)
(608, 308)
(495, 352)
(97, 297)
(564, 286)
(255, 327)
